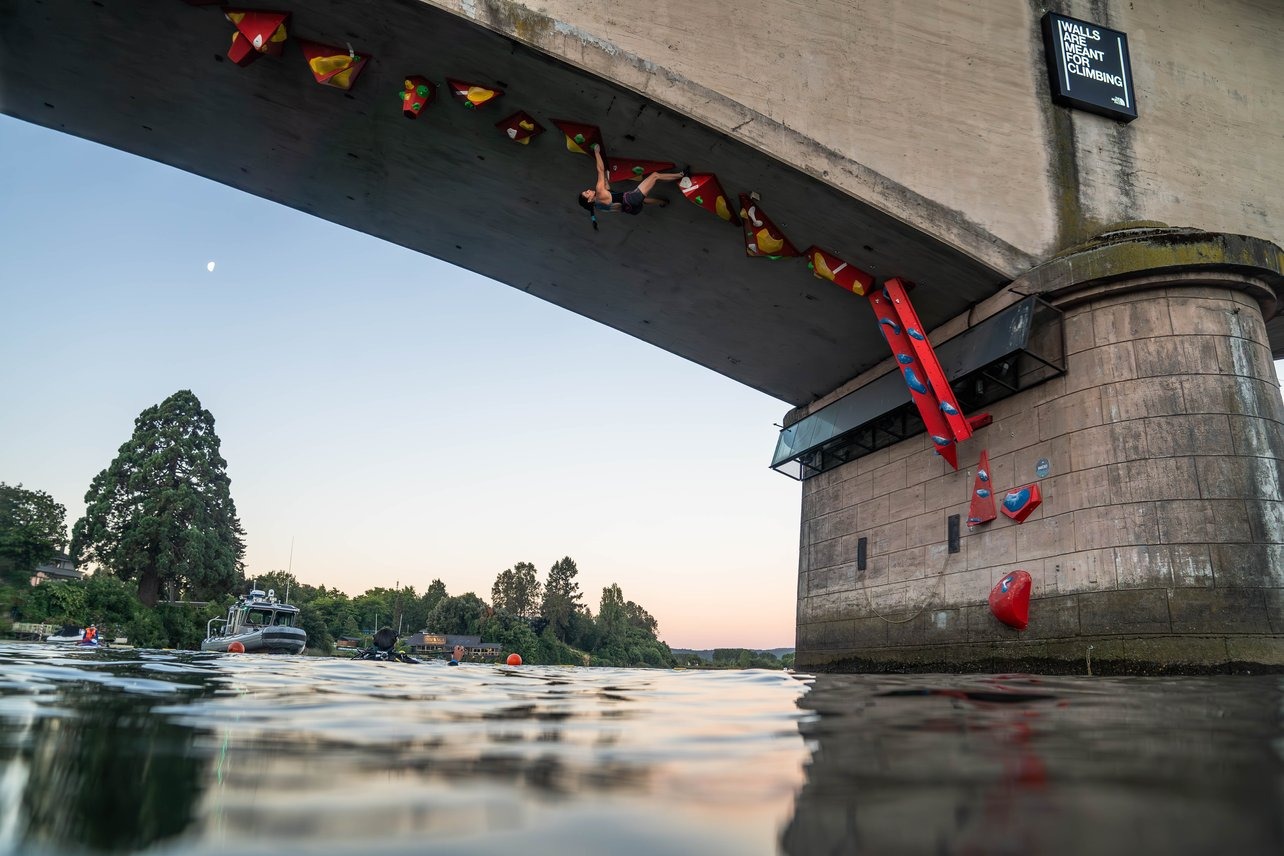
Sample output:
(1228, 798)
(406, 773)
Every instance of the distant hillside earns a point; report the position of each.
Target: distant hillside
(707, 653)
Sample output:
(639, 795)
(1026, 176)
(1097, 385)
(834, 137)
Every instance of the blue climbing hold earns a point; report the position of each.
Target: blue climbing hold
(1017, 498)
(891, 325)
(914, 334)
(912, 381)
(904, 359)
(949, 409)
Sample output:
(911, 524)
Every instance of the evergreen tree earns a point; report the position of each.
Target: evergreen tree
(162, 511)
(33, 529)
(561, 596)
(517, 591)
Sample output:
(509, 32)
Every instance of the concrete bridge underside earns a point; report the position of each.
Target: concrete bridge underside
(150, 78)
(914, 144)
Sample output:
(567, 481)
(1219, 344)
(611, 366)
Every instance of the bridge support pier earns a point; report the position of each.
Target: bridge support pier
(1159, 545)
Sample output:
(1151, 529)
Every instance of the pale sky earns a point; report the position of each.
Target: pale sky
(398, 418)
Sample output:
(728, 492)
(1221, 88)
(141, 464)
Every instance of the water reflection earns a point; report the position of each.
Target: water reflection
(1014, 764)
(103, 752)
(283, 755)
(87, 761)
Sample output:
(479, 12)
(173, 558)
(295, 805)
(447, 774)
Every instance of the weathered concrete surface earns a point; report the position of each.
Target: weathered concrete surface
(1159, 545)
(912, 141)
(940, 114)
(148, 77)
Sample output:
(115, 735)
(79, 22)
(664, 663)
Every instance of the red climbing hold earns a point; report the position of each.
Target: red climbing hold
(1010, 599)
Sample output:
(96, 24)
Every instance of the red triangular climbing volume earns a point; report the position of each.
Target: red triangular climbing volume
(417, 93)
(982, 508)
(632, 169)
(762, 238)
(263, 32)
(703, 189)
(579, 136)
(520, 127)
(829, 266)
(473, 95)
(333, 66)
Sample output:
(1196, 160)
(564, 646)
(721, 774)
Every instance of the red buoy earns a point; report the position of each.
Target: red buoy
(235, 648)
(514, 659)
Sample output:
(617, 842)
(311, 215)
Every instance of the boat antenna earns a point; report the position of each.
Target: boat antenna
(289, 572)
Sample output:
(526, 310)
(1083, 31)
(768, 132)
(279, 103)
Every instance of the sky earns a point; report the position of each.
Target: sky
(387, 418)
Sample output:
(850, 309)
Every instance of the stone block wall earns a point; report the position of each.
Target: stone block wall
(1160, 540)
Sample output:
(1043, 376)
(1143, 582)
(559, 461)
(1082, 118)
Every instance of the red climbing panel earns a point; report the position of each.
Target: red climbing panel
(333, 66)
(416, 94)
(929, 406)
(934, 375)
(762, 238)
(982, 507)
(632, 169)
(1010, 599)
(831, 267)
(520, 127)
(1019, 503)
(580, 137)
(473, 95)
(257, 33)
(703, 189)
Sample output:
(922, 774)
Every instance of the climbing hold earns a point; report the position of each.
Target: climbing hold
(257, 33)
(333, 66)
(473, 95)
(520, 127)
(1010, 599)
(580, 138)
(703, 189)
(629, 169)
(1021, 502)
(417, 92)
(829, 266)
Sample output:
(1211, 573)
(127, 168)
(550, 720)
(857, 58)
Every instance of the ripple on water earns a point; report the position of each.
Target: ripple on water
(253, 754)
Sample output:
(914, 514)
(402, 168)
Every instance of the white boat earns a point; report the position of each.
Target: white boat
(70, 635)
(261, 623)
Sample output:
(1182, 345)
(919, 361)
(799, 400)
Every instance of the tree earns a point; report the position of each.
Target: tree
(517, 591)
(561, 596)
(162, 511)
(462, 615)
(33, 529)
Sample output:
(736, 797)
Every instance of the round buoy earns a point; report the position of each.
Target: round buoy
(514, 659)
(236, 648)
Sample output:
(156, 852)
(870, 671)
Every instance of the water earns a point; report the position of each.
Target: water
(164, 752)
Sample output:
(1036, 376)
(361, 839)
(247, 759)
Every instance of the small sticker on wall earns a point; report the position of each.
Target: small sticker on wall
(1041, 468)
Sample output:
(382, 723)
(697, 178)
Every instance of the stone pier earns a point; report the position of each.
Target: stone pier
(1159, 545)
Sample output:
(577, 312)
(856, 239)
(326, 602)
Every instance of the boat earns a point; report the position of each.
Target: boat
(261, 623)
(69, 634)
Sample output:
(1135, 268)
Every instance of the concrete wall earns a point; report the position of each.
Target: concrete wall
(1160, 540)
(939, 113)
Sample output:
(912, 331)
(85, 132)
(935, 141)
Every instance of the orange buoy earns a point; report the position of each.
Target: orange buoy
(514, 659)
(235, 648)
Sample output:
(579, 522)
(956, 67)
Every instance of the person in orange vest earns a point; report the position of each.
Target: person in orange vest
(91, 635)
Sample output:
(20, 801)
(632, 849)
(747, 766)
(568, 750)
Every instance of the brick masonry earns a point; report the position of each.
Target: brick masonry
(1160, 540)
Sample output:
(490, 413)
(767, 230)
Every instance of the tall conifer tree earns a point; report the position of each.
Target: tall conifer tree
(162, 512)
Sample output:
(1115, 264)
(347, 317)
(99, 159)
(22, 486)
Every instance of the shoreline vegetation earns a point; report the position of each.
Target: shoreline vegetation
(166, 546)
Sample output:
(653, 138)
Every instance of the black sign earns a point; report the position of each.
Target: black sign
(1088, 67)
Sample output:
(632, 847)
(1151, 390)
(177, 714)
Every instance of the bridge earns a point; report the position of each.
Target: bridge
(1105, 289)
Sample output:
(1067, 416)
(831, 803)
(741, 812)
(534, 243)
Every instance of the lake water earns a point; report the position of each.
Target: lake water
(166, 752)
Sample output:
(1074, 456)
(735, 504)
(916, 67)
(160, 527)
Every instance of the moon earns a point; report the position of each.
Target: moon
(210, 267)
